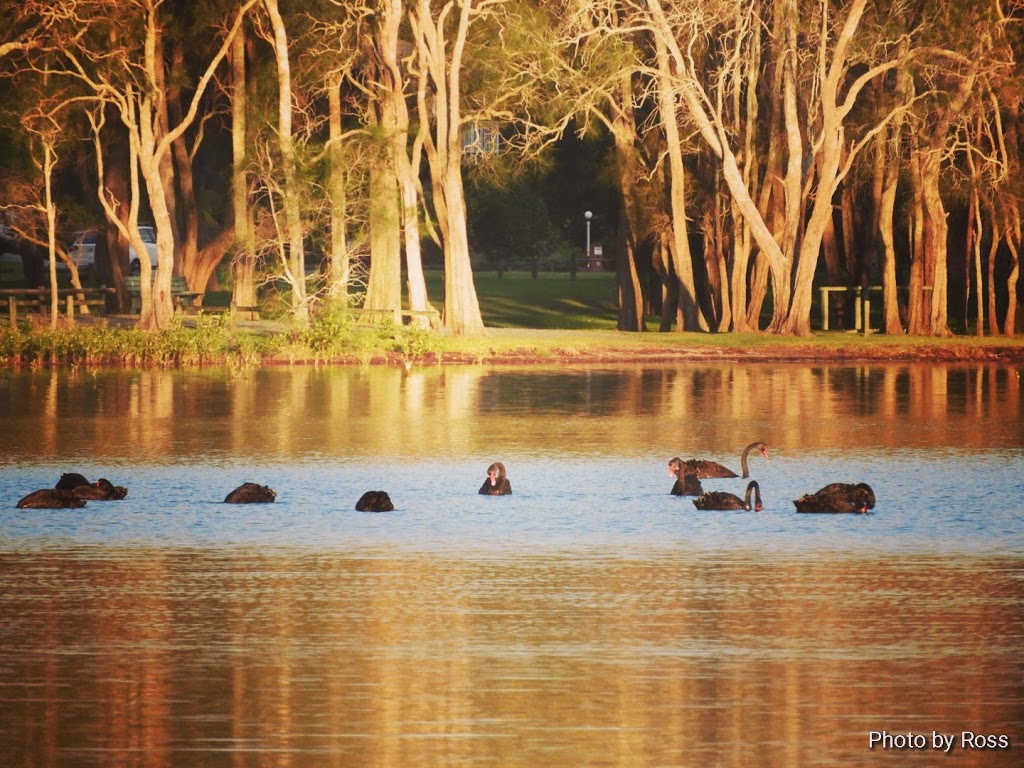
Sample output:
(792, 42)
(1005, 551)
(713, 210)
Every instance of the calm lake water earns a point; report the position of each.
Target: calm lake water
(589, 619)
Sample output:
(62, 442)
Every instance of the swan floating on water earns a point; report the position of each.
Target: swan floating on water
(838, 498)
(375, 501)
(251, 493)
(497, 483)
(686, 483)
(703, 468)
(723, 500)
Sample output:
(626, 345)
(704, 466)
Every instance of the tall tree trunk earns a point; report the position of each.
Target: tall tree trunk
(623, 129)
(444, 153)
(1013, 240)
(338, 262)
(295, 264)
(993, 250)
(830, 154)
(917, 316)
(394, 106)
(887, 177)
(384, 282)
(937, 229)
(243, 265)
(682, 260)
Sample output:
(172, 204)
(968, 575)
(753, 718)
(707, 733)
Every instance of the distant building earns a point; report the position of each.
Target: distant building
(480, 139)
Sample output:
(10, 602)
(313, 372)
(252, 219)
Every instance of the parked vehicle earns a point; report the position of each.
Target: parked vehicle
(82, 251)
(148, 235)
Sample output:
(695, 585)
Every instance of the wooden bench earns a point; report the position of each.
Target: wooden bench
(861, 305)
(74, 301)
(181, 296)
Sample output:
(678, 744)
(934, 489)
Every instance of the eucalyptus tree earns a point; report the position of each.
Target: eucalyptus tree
(116, 52)
(964, 153)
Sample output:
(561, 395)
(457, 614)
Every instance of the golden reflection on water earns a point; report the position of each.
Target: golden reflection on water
(446, 411)
(247, 658)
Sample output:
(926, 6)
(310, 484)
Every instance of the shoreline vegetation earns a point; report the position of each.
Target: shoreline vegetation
(553, 320)
(218, 340)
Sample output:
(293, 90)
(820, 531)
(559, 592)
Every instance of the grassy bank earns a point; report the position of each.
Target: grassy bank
(551, 319)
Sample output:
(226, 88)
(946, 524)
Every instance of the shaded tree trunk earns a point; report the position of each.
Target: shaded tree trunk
(243, 265)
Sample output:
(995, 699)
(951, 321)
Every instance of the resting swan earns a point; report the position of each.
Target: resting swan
(838, 498)
(51, 498)
(705, 468)
(101, 490)
(723, 500)
(686, 483)
(250, 493)
(375, 501)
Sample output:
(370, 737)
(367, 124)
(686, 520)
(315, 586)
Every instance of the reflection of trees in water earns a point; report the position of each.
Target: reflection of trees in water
(432, 412)
(443, 659)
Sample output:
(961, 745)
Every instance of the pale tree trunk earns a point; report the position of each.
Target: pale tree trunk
(243, 265)
(975, 229)
(713, 131)
(150, 132)
(394, 105)
(749, 283)
(384, 282)
(933, 211)
(444, 153)
(1012, 227)
(339, 264)
(886, 182)
(938, 232)
(160, 311)
(831, 79)
(727, 230)
(993, 250)
(295, 271)
(623, 130)
(682, 260)
(49, 159)
(124, 217)
(1013, 241)
(917, 317)
(142, 110)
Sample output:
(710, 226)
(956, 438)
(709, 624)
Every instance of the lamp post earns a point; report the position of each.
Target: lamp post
(587, 215)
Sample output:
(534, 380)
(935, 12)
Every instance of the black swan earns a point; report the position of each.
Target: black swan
(101, 490)
(496, 483)
(51, 498)
(71, 480)
(704, 468)
(250, 493)
(686, 483)
(375, 501)
(838, 498)
(723, 500)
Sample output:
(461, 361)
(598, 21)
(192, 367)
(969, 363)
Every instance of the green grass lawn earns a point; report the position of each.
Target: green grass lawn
(551, 301)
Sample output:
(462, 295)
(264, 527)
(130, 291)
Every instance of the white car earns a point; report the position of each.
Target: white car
(82, 250)
(148, 235)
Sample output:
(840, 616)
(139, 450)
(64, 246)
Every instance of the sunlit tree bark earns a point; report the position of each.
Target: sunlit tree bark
(441, 42)
(294, 264)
